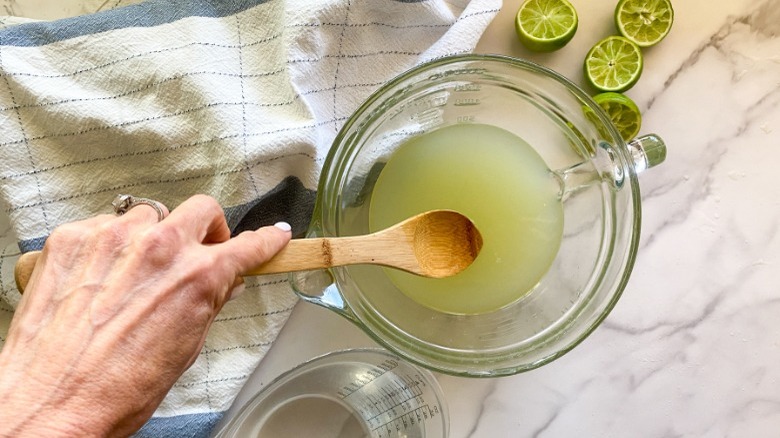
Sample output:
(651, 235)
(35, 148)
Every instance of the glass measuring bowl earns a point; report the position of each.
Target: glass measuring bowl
(595, 169)
(346, 394)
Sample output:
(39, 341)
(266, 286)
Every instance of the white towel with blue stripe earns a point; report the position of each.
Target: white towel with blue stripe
(238, 99)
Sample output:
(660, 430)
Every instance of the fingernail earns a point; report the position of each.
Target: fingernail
(237, 291)
(284, 226)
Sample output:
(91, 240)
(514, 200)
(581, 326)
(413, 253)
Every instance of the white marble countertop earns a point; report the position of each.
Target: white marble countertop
(693, 347)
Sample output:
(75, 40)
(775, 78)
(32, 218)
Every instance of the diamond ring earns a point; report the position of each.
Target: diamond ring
(123, 203)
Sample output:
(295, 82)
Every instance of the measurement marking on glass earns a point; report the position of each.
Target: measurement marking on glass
(392, 404)
(403, 404)
(468, 87)
(467, 102)
(406, 420)
(372, 375)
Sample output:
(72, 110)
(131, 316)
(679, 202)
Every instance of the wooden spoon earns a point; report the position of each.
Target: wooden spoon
(437, 244)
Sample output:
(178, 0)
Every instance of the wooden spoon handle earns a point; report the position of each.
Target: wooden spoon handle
(318, 253)
(24, 269)
(298, 255)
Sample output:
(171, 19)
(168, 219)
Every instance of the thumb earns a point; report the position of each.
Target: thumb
(251, 249)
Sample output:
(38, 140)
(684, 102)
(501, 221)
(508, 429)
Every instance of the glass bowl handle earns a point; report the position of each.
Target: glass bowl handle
(647, 151)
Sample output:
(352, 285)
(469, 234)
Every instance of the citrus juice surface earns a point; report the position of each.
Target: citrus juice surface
(499, 182)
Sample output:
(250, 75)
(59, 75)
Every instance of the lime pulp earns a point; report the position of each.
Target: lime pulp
(644, 22)
(623, 112)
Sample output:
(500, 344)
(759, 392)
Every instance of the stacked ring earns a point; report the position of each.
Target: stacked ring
(123, 203)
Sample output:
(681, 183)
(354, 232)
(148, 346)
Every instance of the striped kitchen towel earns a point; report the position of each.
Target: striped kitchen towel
(238, 99)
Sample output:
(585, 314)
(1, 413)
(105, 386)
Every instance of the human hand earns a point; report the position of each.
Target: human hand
(115, 311)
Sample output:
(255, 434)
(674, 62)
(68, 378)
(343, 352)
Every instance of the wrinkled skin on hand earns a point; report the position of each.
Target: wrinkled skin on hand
(115, 311)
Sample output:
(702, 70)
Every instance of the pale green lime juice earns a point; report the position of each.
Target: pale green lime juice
(497, 180)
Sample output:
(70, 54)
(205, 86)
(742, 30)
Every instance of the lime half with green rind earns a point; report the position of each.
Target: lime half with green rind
(546, 25)
(623, 112)
(613, 64)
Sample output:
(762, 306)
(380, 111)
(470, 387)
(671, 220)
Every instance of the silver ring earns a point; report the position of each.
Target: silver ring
(123, 203)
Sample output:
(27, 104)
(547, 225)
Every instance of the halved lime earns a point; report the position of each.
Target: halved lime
(622, 111)
(545, 25)
(613, 64)
(645, 22)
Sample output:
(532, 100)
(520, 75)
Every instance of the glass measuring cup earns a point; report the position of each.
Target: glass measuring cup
(346, 394)
(596, 172)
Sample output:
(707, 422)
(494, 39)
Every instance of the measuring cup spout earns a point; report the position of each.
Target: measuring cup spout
(318, 287)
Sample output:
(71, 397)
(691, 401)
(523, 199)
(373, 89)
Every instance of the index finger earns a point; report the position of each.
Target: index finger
(201, 216)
